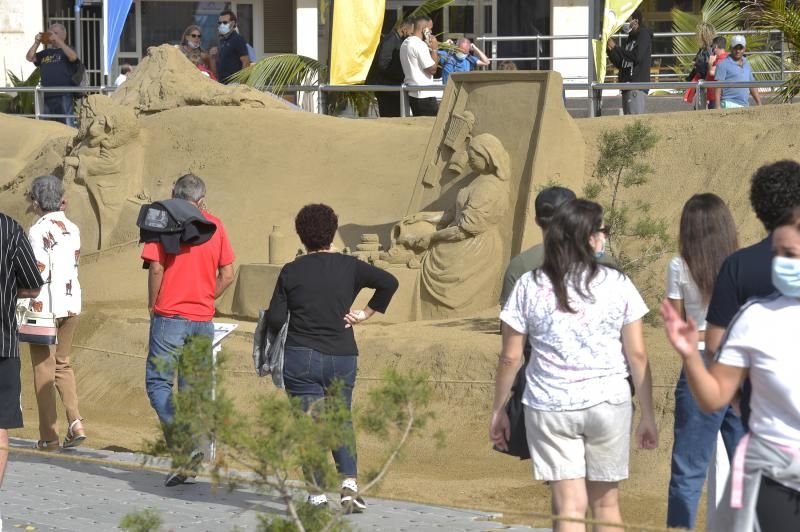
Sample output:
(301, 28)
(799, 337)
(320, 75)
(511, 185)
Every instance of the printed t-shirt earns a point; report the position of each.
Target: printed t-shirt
(576, 358)
(762, 338)
(680, 285)
(56, 69)
(415, 56)
(231, 49)
(56, 243)
(730, 70)
(190, 277)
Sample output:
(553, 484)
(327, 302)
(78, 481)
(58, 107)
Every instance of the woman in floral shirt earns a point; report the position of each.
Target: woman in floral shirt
(583, 321)
(56, 243)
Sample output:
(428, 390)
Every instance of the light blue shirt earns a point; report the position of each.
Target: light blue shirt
(730, 70)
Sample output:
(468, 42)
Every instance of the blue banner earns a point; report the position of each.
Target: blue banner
(116, 12)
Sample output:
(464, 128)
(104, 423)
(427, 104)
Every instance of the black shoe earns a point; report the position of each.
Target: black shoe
(178, 477)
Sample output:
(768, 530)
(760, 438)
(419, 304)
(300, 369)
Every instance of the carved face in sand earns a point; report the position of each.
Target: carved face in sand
(97, 131)
(476, 161)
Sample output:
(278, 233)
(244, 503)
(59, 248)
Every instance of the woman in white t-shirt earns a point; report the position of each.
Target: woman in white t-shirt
(577, 316)
(707, 236)
(763, 490)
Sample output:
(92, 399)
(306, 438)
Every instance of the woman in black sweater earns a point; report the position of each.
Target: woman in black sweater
(316, 290)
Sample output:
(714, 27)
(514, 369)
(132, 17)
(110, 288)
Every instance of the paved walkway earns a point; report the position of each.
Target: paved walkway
(49, 492)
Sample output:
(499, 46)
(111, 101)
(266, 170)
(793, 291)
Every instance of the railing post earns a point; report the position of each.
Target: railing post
(538, 45)
(37, 104)
(320, 108)
(783, 57)
(403, 101)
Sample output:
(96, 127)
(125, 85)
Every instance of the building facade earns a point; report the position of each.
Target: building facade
(303, 26)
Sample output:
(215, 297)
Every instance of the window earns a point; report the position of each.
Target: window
(462, 20)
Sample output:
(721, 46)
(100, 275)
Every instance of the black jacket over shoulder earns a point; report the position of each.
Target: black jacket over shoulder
(318, 289)
(386, 68)
(174, 222)
(634, 59)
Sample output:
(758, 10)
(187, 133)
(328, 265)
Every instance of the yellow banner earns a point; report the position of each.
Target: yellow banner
(356, 35)
(616, 13)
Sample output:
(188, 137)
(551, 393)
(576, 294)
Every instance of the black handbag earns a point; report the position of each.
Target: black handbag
(518, 440)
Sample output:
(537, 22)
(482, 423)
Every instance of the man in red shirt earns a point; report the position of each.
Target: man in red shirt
(182, 289)
(718, 53)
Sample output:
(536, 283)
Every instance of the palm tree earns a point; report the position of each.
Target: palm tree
(725, 16)
(277, 72)
(784, 16)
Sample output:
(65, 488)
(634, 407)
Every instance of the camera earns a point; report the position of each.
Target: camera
(427, 34)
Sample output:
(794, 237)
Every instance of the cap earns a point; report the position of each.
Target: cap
(738, 40)
(550, 199)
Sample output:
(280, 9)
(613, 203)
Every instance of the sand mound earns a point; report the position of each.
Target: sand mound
(165, 79)
(30, 148)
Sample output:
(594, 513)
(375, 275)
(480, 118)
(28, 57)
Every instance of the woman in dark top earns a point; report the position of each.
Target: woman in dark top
(316, 291)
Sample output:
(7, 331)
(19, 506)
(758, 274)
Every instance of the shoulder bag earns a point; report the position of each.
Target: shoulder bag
(38, 328)
(268, 349)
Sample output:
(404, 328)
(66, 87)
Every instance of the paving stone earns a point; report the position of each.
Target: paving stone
(45, 492)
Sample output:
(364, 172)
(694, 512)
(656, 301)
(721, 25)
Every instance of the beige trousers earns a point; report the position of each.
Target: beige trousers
(52, 372)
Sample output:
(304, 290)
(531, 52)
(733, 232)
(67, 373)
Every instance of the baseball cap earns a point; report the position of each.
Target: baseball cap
(738, 40)
(550, 199)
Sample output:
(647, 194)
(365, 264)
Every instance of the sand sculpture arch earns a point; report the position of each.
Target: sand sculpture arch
(516, 122)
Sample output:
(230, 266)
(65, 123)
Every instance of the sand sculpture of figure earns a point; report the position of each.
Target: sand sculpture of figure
(105, 159)
(464, 259)
(452, 159)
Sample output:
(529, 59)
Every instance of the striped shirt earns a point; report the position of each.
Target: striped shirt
(17, 270)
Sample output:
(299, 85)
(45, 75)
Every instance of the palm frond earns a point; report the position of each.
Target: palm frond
(784, 16)
(426, 9)
(280, 71)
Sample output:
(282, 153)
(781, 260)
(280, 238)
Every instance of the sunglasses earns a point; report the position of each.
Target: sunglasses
(606, 230)
(195, 35)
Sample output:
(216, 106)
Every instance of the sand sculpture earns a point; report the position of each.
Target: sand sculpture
(497, 137)
(107, 160)
(166, 79)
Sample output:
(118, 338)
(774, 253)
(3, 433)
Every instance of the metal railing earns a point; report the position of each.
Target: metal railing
(538, 58)
(38, 98)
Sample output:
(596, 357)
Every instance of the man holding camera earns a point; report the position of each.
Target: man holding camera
(420, 59)
(467, 57)
(59, 67)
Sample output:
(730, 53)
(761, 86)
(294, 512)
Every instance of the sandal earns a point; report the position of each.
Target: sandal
(49, 446)
(75, 434)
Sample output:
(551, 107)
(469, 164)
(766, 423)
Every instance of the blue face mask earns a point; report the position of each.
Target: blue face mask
(786, 276)
(224, 29)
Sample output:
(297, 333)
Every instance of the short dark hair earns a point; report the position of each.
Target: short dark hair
(720, 42)
(420, 20)
(637, 15)
(775, 188)
(408, 21)
(125, 68)
(228, 12)
(316, 226)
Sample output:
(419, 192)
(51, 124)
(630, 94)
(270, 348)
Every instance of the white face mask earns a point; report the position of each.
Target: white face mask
(626, 28)
(224, 29)
(193, 44)
(461, 56)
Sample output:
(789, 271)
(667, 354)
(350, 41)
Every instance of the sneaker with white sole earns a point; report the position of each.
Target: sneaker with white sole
(318, 500)
(179, 476)
(350, 501)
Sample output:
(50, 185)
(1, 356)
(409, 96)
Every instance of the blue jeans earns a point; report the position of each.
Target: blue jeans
(308, 374)
(61, 104)
(167, 338)
(693, 447)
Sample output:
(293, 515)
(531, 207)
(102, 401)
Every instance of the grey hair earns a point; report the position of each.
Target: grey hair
(463, 40)
(189, 187)
(59, 25)
(48, 192)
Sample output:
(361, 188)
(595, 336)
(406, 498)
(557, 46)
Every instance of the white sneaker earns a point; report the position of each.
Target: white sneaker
(350, 500)
(318, 500)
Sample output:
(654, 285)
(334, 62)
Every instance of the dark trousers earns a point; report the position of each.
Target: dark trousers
(778, 507)
(60, 104)
(424, 106)
(693, 447)
(388, 104)
(308, 374)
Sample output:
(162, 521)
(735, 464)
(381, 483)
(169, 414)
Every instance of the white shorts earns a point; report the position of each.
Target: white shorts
(592, 443)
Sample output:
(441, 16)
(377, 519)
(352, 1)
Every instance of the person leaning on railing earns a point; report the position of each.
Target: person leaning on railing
(60, 67)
